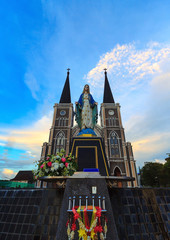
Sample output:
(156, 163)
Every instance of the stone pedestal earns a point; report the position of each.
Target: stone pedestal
(90, 153)
(82, 185)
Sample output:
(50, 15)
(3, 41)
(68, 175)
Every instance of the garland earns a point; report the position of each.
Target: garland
(87, 231)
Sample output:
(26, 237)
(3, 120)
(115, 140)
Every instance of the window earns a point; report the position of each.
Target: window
(114, 144)
(60, 141)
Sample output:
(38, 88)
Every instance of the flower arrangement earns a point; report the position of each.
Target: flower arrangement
(59, 165)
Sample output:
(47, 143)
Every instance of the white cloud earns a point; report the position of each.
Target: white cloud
(2, 144)
(141, 79)
(28, 138)
(8, 173)
(32, 84)
(128, 66)
(160, 161)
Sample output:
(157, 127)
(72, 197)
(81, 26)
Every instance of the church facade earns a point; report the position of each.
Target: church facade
(118, 152)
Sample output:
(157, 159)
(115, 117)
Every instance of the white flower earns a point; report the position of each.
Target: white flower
(55, 166)
(46, 170)
(52, 169)
(61, 165)
(57, 157)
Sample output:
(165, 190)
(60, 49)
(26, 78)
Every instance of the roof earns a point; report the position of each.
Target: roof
(23, 176)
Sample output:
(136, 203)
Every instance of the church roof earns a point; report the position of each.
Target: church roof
(107, 97)
(66, 96)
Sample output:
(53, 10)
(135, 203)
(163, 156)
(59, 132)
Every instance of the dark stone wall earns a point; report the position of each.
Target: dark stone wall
(141, 214)
(40, 214)
(30, 214)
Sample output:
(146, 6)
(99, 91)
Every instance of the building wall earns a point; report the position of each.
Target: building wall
(111, 123)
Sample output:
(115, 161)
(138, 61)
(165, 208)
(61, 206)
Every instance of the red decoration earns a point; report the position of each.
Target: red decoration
(73, 227)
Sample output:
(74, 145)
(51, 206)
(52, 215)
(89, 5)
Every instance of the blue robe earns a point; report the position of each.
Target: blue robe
(79, 108)
(91, 100)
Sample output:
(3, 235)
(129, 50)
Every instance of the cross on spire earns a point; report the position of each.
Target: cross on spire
(105, 70)
(68, 69)
(107, 97)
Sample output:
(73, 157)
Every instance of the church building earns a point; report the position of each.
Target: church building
(116, 153)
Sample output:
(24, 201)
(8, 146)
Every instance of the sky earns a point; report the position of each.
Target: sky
(40, 39)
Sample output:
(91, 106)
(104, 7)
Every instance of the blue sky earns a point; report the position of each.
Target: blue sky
(39, 40)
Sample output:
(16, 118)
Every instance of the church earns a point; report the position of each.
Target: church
(106, 149)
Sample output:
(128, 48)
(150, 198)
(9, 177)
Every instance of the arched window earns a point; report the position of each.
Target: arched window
(60, 141)
(114, 144)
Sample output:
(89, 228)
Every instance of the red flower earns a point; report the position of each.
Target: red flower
(76, 215)
(63, 159)
(66, 164)
(42, 165)
(98, 214)
(98, 229)
(48, 158)
(73, 227)
(67, 223)
(49, 164)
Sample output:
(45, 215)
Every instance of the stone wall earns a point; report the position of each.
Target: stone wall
(29, 214)
(141, 214)
(40, 214)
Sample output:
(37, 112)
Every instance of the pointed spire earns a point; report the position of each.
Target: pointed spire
(66, 96)
(107, 97)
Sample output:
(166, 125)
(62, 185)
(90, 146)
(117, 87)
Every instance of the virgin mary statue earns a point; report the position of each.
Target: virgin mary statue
(86, 110)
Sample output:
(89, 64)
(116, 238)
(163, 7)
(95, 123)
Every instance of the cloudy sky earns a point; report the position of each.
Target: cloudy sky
(40, 39)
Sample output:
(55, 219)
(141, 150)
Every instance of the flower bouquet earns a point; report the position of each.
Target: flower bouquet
(59, 165)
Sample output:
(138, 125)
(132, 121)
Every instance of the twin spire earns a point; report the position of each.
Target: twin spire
(107, 96)
(66, 96)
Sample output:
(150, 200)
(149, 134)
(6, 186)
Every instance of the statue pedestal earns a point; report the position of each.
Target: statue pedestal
(90, 153)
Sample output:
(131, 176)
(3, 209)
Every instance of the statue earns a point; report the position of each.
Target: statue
(86, 110)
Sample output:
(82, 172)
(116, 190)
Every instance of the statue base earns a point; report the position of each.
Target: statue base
(87, 132)
(90, 153)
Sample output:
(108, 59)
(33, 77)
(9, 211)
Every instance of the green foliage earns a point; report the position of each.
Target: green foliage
(59, 165)
(165, 178)
(156, 174)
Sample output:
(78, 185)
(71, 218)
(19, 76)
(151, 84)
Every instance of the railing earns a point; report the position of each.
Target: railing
(72, 203)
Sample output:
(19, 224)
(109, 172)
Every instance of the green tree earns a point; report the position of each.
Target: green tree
(151, 174)
(165, 175)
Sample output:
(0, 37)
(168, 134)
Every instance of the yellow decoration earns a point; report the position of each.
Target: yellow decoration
(105, 228)
(68, 230)
(82, 233)
(101, 236)
(87, 135)
(72, 235)
(92, 234)
(93, 215)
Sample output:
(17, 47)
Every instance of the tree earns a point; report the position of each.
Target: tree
(151, 174)
(156, 174)
(165, 176)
